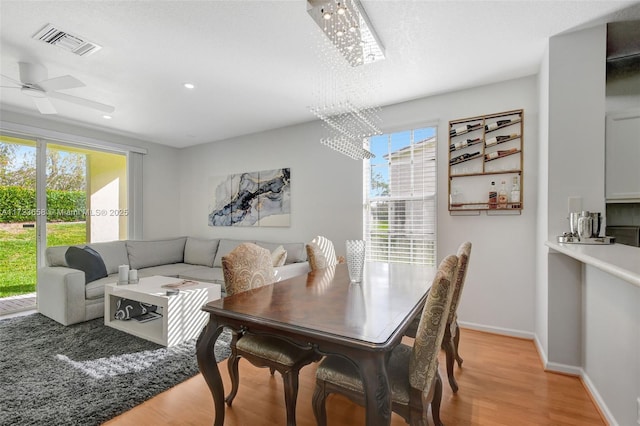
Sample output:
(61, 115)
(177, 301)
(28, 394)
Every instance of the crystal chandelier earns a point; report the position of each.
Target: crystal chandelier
(345, 44)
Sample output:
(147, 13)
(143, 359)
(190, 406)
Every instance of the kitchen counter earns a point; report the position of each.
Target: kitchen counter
(619, 260)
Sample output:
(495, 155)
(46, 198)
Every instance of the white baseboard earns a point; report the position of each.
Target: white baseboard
(550, 366)
(602, 406)
(497, 330)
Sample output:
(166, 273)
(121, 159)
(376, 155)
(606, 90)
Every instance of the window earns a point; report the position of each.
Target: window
(400, 197)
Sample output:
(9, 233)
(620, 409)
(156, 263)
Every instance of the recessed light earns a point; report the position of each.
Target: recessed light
(107, 117)
(189, 85)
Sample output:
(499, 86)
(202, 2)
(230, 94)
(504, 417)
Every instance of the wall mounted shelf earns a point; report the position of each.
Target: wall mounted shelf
(489, 146)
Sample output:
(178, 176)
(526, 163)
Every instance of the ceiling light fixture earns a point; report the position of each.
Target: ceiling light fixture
(189, 85)
(346, 43)
(107, 117)
(336, 18)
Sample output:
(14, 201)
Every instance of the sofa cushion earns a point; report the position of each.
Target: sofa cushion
(295, 251)
(200, 252)
(114, 254)
(203, 273)
(225, 248)
(95, 290)
(55, 256)
(87, 260)
(278, 256)
(143, 254)
(170, 270)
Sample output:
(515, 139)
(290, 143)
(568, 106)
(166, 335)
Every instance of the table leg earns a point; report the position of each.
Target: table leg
(209, 367)
(377, 392)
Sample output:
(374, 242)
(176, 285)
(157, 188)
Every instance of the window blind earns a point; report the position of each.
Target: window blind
(400, 201)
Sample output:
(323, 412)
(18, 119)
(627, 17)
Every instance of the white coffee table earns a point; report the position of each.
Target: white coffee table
(182, 317)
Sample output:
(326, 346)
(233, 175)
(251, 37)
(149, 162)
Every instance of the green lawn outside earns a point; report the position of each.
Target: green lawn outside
(18, 253)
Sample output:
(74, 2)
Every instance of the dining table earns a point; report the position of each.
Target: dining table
(325, 311)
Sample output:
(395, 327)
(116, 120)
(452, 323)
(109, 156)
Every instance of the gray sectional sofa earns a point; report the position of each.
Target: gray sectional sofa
(62, 294)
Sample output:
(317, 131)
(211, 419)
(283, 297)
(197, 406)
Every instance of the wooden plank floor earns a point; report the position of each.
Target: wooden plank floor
(502, 382)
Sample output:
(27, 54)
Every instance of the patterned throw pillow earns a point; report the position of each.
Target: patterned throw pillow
(279, 256)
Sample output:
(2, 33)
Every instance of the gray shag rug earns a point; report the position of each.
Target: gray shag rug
(84, 374)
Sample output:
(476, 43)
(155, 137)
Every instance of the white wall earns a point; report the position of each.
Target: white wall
(541, 290)
(611, 347)
(327, 187)
(575, 158)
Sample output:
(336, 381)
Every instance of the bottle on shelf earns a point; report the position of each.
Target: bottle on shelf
(502, 196)
(494, 140)
(493, 196)
(464, 129)
(495, 125)
(515, 192)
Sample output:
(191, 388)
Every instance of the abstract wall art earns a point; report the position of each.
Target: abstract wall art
(251, 199)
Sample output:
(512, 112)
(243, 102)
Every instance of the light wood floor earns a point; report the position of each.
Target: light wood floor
(502, 382)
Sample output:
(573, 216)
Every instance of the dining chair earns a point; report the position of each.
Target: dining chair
(414, 379)
(321, 253)
(247, 267)
(451, 339)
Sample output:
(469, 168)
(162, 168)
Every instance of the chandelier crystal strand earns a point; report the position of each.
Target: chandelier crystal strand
(346, 90)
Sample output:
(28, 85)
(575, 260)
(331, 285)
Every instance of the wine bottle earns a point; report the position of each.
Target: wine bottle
(493, 196)
(515, 192)
(502, 196)
(493, 126)
(490, 156)
(496, 139)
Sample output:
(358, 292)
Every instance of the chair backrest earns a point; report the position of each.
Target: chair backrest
(464, 252)
(423, 363)
(321, 253)
(246, 267)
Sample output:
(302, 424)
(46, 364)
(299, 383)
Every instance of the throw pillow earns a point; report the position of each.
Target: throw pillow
(200, 252)
(87, 260)
(279, 256)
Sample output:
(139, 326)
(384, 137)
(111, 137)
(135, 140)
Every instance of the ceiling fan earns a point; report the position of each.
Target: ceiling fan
(34, 83)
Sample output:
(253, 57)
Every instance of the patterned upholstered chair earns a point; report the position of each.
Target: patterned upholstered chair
(247, 267)
(452, 332)
(413, 371)
(321, 253)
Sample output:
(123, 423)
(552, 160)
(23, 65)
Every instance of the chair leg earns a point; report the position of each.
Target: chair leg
(437, 399)
(234, 375)
(318, 403)
(290, 379)
(449, 349)
(456, 343)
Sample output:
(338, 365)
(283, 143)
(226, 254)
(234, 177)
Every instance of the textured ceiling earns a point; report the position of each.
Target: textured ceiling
(254, 62)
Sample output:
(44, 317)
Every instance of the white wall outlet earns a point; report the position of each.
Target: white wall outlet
(638, 420)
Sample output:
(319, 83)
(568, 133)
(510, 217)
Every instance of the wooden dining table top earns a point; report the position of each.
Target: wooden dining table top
(325, 302)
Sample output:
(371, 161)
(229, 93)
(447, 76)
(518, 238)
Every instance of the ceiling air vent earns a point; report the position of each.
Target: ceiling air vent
(70, 42)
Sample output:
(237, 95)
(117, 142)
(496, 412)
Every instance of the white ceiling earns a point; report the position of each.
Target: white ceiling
(253, 62)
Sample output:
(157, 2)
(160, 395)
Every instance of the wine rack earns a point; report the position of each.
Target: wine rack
(483, 149)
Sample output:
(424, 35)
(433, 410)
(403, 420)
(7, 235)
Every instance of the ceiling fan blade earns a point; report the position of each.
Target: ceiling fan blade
(10, 87)
(82, 101)
(13, 80)
(45, 106)
(60, 83)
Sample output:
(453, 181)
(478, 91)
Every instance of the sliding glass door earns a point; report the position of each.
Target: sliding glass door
(55, 194)
(17, 209)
